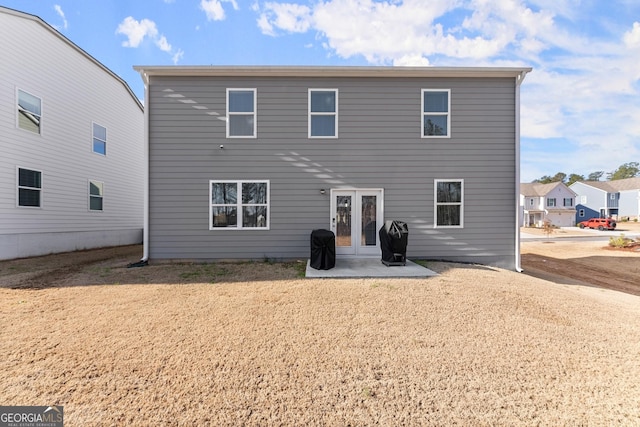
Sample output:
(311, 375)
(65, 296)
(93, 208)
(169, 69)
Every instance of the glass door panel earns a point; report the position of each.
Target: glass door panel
(344, 205)
(355, 218)
(368, 235)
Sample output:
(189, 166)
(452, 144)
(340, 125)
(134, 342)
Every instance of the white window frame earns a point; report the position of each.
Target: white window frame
(551, 205)
(18, 109)
(19, 187)
(436, 113)
(322, 113)
(239, 205)
(101, 196)
(564, 202)
(436, 203)
(253, 114)
(531, 203)
(581, 213)
(94, 138)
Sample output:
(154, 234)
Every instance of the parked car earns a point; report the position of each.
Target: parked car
(599, 223)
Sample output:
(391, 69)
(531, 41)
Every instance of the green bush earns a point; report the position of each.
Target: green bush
(620, 241)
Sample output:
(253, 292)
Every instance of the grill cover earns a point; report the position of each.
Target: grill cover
(394, 236)
(323, 250)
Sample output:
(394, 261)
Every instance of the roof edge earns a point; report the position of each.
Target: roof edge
(64, 38)
(330, 71)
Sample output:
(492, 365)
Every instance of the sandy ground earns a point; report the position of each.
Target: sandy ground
(583, 262)
(256, 344)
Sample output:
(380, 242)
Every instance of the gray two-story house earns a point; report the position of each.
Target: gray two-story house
(244, 162)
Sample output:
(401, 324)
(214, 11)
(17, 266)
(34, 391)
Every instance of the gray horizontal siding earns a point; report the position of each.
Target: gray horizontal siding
(379, 146)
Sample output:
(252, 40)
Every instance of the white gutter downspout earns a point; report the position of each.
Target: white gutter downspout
(519, 81)
(145, 231)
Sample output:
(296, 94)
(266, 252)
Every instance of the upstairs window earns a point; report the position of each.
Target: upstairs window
(96, 194)
(29, 112)
(99, 139)
(29, 188)
(241, 113)
(323, 113)
(436, 109)
(551, 203)
(239, 205)
(568, 202)
(530, 202)
(449, 203)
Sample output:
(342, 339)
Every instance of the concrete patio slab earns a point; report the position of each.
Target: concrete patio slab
(369, 267)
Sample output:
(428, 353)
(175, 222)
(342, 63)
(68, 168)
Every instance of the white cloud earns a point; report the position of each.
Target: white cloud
(60, 13)
(214, 10)
(162, 43)
(586, 80)
(412, 61)
(177, 56)
(632, 38)
(289, 17)
(137, 31)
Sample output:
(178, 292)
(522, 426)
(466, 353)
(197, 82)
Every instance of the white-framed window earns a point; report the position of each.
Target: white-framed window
(449, 203)
(612, 196)
(583, 200)
(29, 188)
(436, 113)
(29, 112)
(239, 205)
(567, 202)
(581, 213)
(323, 113)
(551, 202)
(530, 202)
(99, 139)
(96, 196)
(241, 113)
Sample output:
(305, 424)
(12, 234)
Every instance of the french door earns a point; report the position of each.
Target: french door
(356, 217)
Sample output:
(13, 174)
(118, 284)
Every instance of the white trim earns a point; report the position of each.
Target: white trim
(93, 136)
(17, 111)
(436, 204)
(254, 113)
(357, 250)
(58, 34)
(519, 79)
(436, 113)
(145, 166)
(310, 113)
(41, 189)
(239, 205)
(89, 182)
(332, 71)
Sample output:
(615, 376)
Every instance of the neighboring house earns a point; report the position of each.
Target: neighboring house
(554, 202)
(244, 162)
(71, 138)
(601, 199)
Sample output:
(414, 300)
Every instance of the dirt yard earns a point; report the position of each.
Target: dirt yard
(257, 344)
(585, 263)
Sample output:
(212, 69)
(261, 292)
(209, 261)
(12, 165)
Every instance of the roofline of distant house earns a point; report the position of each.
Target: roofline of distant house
(42, 22)
(331, 71)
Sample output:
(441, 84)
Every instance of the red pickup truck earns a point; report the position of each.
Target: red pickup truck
(599, 223)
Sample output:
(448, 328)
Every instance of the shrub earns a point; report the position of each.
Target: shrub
(620, 241)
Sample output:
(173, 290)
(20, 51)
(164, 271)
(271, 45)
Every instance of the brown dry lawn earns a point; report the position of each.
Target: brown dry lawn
(256, 344)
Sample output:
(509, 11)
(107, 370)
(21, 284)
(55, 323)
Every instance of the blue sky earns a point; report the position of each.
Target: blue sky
(580, 105)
